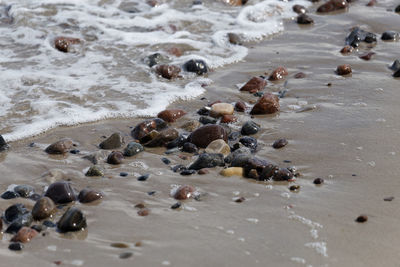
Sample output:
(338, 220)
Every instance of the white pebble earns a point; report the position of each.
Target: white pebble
(253, 220)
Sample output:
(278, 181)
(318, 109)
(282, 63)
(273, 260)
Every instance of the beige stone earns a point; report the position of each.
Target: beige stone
(219, 146)
(232, 171)
(221, 109)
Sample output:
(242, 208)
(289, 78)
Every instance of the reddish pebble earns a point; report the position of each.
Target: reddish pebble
(367, 56)
(143, 212)
(347, 49)
(203, 171)
(254, 85)
(318, 181)
(343, 69)
(278, 74)
(168, 71)
(240, 106)
(175, 51)
(89, 195)
(171, 115)
(184, 192)
(362, 218)
(24, 235)
(63, 44)
(333, 5)
(228, 119)
(115, 158)
(300, 75)
(267, 104)
(371, 3)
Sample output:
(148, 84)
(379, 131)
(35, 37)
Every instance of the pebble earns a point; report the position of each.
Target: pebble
(190, 125)
(49, 224)
(267, 104)
(318, 181)
(72, 220)
(390, 36)
(232, 171)
(178, 168)
(165, 161)
(60, 147)
(347, 49)
(89, 195)
(43, 208)
(362, 218)
(239, 154)
(283, 174)
(15, 212)
(259, 169)
(300, 75)
(203, 171)
(249, 142)
(197, 66)
(133, 149)
(358, 35)
(304, 19)
(395, 66)
(74, 151)
(397, 9)
(240, 106)
(24, 235)
(115, 158)
(94, 171)
(15, 246)
(184, 192)
(204, 111)
(177, 205)
(240, 199)
(207, 120)
(294, 188)
(189, 147)
(204, 135)
(64, 44)
(218, 146)
(280, 143)
(125, 255)
(233, 38)
(171, 115)
(388, 198)
(119, 245)
(24, 190)
(112, 142)
(168, 71)
(396, 73)
(207, 160)
(250, 128)
(143, 177)
(61, 193)
(143, 212)
(3, 144)
(228, 119)
(187, 172)
(174, 144)
(333, 5)
(299, 9)
(278, 74)
(153, 59)
(220, 109)
(344, 69)
(367, 56)
(255, 84)
(9, 195)
(145, 127)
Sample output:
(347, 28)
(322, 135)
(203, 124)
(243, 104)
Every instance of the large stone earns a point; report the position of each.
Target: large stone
(250, 128)
(267, 104)
(254, 85)
(147, 126)
(43, 209)
(60, 147)
(171, 115)
(112, 142)
(72, 220)
(204, 135)
(218, 146)
(242, 154)
(61, 193)
(207, 160)
(333, 5)
(15, 213)
(232, 171)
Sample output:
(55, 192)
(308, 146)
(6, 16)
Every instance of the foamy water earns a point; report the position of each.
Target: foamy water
(106, 76)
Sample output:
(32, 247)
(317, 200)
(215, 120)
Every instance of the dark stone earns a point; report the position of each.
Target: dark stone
(388, 198)
(145, 127)
(112, 142)
(63, 44)
(14, 227)
(9, 195)
(249, 142)
(280, 143)
(249, 128)
(258, 94)
(362, 218)
(132, 149)
(151, 193)
(115, 158)
(38, 228)
(255, 84)
(397, 9)
(204, 135)
(178, 168)
(72, 220)
(187, 172)
(367, 56)
(49, 224)
(390, 36)
(165, 161)
(395, 66)
(43, 209)
(157, 139)
(74, 151)
(207, 120)
(344, 69)
(15, 212)
(371, 3)
(267, 104)
(357, 36)
(396, 74)
(294, 188)
(59, 147)
(61, 193)
(318, 181)
(177, 205)
(207, 160)
(299, 9)
(3, 144)
(240, 200)
(204, 111)
(233, 136)
(94, 171)
(304, 19)
(168, 71)
(300, 75)
(123, 174)
(259, 169)
(89, 195)
(143, 177)
(35, 197)
(197, 66)
(125, 255)
(153, 59)
(240, 106)
(15, 246)
(233, 38)
(178, 142)
(24, 190)
(333, 5)
(283, 174)
(189, 148)
(242, 153)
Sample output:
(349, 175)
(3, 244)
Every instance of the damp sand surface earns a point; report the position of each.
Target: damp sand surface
(345, 134)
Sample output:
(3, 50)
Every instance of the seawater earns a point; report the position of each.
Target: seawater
(106, 76)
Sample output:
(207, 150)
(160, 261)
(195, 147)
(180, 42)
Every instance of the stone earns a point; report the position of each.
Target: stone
(61, 193)
(203, 171)
(115, 158)
(218, 146)
(190, 125)
(183, 192)
(396, 74)
(283, 174)
(43, 209)
(333, 5)
(189, 147)
(344, 69)
(89, 195)
(299, 9)
(143, 177)
(207, 160)
(64, 44)
(145, 127)
(318, 181)
(228, 119)
(153, 59)
(133, 149)
(362, 218)
(255, 84)
(267, 104)
(235, 2)
(60, 147)
(304, 19)
(395, 66)
(260, 169)
(207, 120)
(250, 128)
(294, 188)
(187, 172)
(14, 227)
(3, 144)
(397, 9)
(72, 220)
(171, 115)
(390, 36)
(220, 109)
(233, 38)
(15, 212)
(15, 246)
(249, 142)
(240, 106)
(177, 142)
(204, 135)
(112, 142)
(143, 212)
(347, 49)
(24, 235)
(168, 71)
(197, 66)
(165, 161)
(278, 74)
(178, 168)
(280, 143)
(232, 171)
(177, 205)
(244, 152)
(358, 35)
(162, 138)
(94, 171)
(9, 195)
(367, 56)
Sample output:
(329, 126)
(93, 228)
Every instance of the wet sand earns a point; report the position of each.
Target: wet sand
(348, 139)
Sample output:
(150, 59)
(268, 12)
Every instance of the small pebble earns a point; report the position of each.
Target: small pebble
(203, 171)
(347, 49)
(178, 168)
(119, 245)
(49, 224)
(143, 177)
(74, 151)
(294, 188)
(318, 181)
(362, 218)
(123, 174)
(9, 195)
(125, 255)
(304, 19)
(388, 198)
(280, 143)
(187, 172)
(166, 161)
(151, 193)
(143, 212)
(15, 246)
(140, 206)
(115, 158)
(184, 192)
(367, 56)
(344, 69)
(177, 205)
(240, 200)
(300, 75)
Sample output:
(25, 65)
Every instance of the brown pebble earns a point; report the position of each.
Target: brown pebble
(228, 119)
(63, 44)
(140, 206)
(115, 158)
(388, 198)
(294, 188)
(240, 200)
(184, 192)
(318, 181)
(280, 143)
(367, 56)
(300, 75)
(57, 262)
(347, 49)
(168, 71)
(234, 38)
(143, 212)
(119, 245)
(333, 5)
(235, 2)
(89, 195)
(371, 3)
(60, 147)
(299, 9)
(138, 244)
(240, 106)
(203, 171)
(344, 69)
(175, 51)
(204, 135)
(171, 115)
(278, 74)
(267, 104)
(362, 218)
(24, 235)
(254, 85)
(43, 208)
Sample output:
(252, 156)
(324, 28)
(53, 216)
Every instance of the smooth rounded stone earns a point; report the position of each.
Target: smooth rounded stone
(72, 220)
(318, 181)
(14, 227)
(24, 190)
(187, 172)
(203, 171)
(362, 218)
(184, 192)
(283, 174)
(294, 188)
(94, 171)
(143, 177)
(228, 119)
(396, 74)
(390, 36)
(153, 59)
(133, 149)
(204, 135)
(177, 205)
(333, 5)
(190, 125)
(207, 120)
(397, 9)
(220, 109)
(9, 195)
(197, 66)
(161, 139)
(232, 171)
(358, 35)
(280, 143)
(249, 142)
(15, 212)
(259, 169)
(43, 209)
(395, 66)
(24, 235)
(267, 104)
(115, 158)
(171, 115)
(112, 142)
(255, 84)
(3, 144)
(89, 195)
(367, 56)
(207, 160)
(61, 193)
(178, 168)
(240, 152)
(145, 127)
(250, 128)
(299, 9)
(240, 106)
(168, 71)
(60, 147)
(278, 74)
(64, 44)
(119, 245)
(372, 3)
(15, 246)
(218, 146)
(344, 69)
(125, 255)
(189, 148)
(388, 198)
(304, 19)
(204, 111)
(347, 49)
(233, 38)
(165, 161)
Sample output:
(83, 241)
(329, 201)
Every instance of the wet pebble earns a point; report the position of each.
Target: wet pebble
(250, 128)
(60, 147)
(300, 75)
(362, 218)
(280, 143)
(240, 199)
(43, 209)
(197, 66)
(153, 59)
(255, 84)
(115, 158)
(232, 171)
(72, 220)
(161, 138)
(390, 36)
(278, 74)
(333, 5)
(358, 35)
(189, 148)
(240, 106)
(344, 69)
(177, 205)
(64, 44)
(171, 115)
(267, 104)
(125, 255)
(299, 9)
(304, 19)
(204, 135)
(24, 235)
(133, 149)
(207, 160)
(112, 142)
(143, 177)
(168, 71)
(89, 195)
(318, 181)
(187, 172)
(15, 212)
(249, 142)
(294, 188)
(119, 245)
(388, 198)
(283, 174)
(207, 120)
(218, 146)
(123, 174)
(347, 49)
(184, 192)
(203, 171)
(233, 38)
(220, 109)
(9, 195)
(367, 56)
(94, 171)
(372, 3)
(145, 127)
(178, 168)
(143, 212)
(74, 151)
(24, 190)
(228, 119)
(397, 9)
(395, 66)
(15, 246)
(61, 192)
(49, 224)
(3, 144)
(165, 161)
